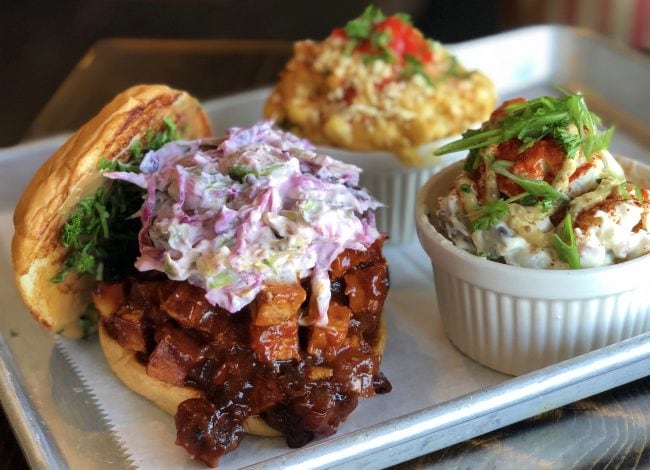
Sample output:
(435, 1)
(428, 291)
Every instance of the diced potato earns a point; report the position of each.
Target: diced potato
(277, 303)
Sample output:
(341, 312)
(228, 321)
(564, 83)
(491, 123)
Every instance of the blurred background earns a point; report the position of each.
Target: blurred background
(43, 41)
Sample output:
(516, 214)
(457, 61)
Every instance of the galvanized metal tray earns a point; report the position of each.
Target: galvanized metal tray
(68, 410)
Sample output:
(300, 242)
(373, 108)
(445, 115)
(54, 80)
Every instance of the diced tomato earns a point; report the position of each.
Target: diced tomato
(339, 33)
(404, 40)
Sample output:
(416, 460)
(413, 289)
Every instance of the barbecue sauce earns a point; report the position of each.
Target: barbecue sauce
(184, 340)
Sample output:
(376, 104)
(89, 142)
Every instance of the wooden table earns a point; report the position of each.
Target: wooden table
(609, 430)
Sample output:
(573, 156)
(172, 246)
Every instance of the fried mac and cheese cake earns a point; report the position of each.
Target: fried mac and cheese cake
(378, 84)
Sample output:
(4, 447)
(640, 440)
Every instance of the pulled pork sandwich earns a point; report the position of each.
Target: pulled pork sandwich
(244, 296)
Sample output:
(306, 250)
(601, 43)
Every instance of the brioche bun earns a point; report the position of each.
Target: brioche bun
(166, 396)
(70, 175)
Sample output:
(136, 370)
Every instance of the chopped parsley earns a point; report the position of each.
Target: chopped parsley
(533, 120)
(414, 66)
(487, 215)
(13, 333)
(158, 139)
(569, 141)
(466, 188)
(100, 233)
(362, 28)
(391, 39)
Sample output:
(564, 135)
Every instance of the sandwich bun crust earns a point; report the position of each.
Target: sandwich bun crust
(72, 174)
(134, 375)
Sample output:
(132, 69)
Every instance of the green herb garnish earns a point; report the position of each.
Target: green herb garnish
(131, 165)
(536, 119)
(100, 234)
(13, 333)
(487, 215)
(466, 188)
(624, 188)
(362, 27)
(565, 243)
(168, 134)
(413, 67)
(472, 162)
(570, 142)
(538, 188)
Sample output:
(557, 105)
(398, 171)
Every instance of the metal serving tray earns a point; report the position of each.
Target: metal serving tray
(68, 410)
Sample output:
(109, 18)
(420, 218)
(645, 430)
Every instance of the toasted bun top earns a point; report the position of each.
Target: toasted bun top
(70, 175)
(166, 396)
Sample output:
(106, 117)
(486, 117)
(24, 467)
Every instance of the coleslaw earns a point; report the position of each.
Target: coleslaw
(260, 207)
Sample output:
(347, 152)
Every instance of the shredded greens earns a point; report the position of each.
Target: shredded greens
(565, 119)
(100, 233)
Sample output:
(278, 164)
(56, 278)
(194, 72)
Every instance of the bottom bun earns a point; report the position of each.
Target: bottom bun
(166, 396)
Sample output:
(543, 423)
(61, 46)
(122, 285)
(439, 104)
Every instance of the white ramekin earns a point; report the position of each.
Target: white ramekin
(394, 184)
(515, 319)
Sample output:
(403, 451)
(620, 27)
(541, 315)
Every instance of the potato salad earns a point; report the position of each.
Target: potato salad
(539, 189)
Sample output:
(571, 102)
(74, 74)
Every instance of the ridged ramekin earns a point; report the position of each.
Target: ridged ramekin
(394, 184)
(515, 319)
